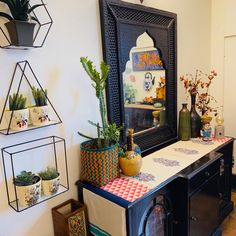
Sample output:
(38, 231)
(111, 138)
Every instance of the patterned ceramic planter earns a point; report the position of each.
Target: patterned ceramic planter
(20, 119)
(29, 195)
(39, 115)
(50, 187)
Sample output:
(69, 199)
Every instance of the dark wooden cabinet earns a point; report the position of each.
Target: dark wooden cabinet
(205, 197)
(149, 216)
(226, 205)
(203, 209)
(192, 202)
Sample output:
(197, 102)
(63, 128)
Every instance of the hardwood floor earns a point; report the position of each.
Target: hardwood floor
(229, 225)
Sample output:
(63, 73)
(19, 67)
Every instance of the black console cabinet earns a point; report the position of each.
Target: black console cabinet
(201, 195)
(226, 205)
(192, 202)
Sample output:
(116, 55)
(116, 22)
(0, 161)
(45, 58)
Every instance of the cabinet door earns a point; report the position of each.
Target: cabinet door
(155, 220)
(204, 208)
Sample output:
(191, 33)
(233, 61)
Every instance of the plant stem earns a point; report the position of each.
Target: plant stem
(102, 110)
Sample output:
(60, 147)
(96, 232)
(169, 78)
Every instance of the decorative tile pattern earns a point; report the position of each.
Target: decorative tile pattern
(186, 151)
(126, 188)
(77, 224)
(144, 177)
(166, 162)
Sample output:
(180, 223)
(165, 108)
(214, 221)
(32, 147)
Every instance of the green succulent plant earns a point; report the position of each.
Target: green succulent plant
(25, 178)
(20, 10)
(108, 134)
(40, 96)
(49, 173)
(17, 102)
(129, 93)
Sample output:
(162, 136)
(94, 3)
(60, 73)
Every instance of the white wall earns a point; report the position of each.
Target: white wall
(76, 33)
(223, 46)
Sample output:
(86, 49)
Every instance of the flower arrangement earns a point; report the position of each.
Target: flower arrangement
(162, 82)
(161, 89)
(199, 86)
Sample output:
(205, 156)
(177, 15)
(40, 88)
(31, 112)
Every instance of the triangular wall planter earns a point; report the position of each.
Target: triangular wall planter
(22, 82)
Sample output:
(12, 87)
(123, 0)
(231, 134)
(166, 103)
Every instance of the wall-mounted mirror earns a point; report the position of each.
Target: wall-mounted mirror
(139, 43)
(144, 87)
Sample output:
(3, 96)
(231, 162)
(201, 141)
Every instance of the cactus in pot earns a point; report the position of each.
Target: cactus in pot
(50, 181)
(103, 148)
(18, 115)
(39, 114)
(28, 188)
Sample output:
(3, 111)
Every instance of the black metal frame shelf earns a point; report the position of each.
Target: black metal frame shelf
(21, 67)
(7, 44)
(9, 159)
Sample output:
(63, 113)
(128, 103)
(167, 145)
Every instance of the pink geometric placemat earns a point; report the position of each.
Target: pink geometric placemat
(127, 189)
(222, 140)
(213, 139)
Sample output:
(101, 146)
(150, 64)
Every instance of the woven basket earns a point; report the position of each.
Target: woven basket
(99, 166)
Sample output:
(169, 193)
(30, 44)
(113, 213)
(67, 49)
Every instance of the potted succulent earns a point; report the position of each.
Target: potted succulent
(50, 181)
(39, 114)
(19, 26)
(99, 156)
(17, 115)
(28, 188)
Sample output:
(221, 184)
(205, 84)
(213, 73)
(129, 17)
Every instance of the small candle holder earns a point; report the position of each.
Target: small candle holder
(156, 118)
(219, 128)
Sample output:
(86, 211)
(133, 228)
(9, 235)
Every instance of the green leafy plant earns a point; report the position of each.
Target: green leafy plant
(129, 93)
(49, 173)
(108, 134)
(20, 10)
(17, 102)
(25, 178)
(40, 96)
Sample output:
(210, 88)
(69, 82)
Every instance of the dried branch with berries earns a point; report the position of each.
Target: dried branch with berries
(199, 85)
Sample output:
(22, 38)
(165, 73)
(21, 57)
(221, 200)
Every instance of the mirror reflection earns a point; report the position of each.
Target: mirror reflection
(144, 86)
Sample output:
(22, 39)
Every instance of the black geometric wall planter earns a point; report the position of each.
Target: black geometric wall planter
(40, 34)
(35, 156)
(33, 117)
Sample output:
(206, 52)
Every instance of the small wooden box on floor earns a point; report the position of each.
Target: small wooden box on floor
(70, 219)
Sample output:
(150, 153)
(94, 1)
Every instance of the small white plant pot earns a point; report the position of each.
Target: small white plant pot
(39, 116)
(29, 195)
(20, 119)
(50, 187)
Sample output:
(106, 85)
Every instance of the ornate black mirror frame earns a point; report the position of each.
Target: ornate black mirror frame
(122, 23)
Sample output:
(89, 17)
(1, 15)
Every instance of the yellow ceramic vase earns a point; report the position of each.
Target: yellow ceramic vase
(131, 163)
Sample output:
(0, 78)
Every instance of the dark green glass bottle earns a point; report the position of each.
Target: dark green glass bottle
(184, 123)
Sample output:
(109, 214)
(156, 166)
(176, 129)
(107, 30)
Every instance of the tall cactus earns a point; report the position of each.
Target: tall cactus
(99, 85)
